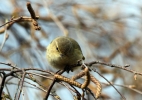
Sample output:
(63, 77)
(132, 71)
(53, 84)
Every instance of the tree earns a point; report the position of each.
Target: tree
(108, 32)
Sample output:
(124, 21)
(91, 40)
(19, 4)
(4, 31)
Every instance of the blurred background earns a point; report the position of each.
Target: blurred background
(107, 30)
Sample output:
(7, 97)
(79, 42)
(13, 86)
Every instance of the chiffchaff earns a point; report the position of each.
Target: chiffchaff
(63, 52)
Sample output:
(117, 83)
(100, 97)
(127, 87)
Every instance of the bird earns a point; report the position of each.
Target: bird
(63, 52)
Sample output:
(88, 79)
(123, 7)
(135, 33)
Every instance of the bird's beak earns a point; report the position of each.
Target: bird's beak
(62, 55)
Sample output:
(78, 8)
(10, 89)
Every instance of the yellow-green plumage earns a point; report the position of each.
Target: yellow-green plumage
(63, 51)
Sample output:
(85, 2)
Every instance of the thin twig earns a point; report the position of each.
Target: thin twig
(8, 91)
(110, 84)
(49, 89)
(21, 18)
(5, 38)
(116, 66)
(17, 90)
(88, 64)
(2, 84)
(125, 86)
(21, 84)
(76, 91)
(52, 84)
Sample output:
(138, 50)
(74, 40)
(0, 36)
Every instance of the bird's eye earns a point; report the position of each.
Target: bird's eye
(57, 49)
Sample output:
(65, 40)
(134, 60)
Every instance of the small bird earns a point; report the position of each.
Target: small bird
(63, 52)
